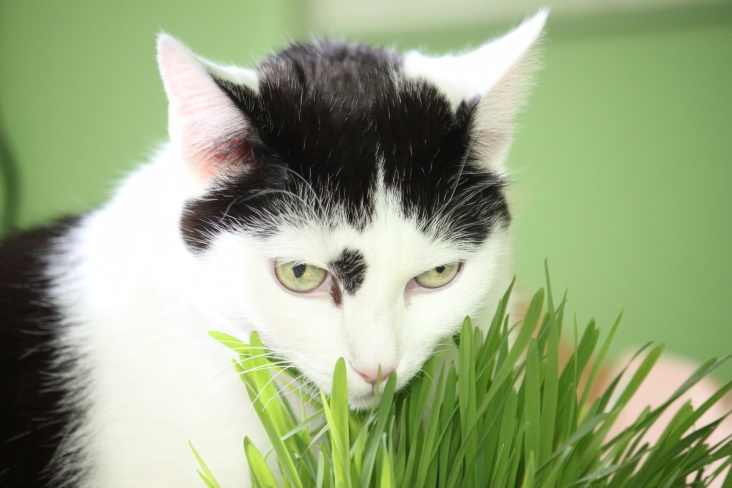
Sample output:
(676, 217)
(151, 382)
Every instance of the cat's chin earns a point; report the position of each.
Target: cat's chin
(363, 401)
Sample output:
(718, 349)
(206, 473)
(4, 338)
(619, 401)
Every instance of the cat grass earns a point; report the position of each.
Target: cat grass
(498, 411)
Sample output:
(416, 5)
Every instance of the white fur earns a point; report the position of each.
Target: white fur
(140, 306)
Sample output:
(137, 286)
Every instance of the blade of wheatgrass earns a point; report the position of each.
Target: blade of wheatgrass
(728, 480)
(433, 434)
(586, 427)
(338, 424)
(506, 437)
(600, 360)
(384, 411)
(515, 459)
(466, 389)
(674, 430)
(258, 467)
(419, 396)
(524, 336)
(567, 473)
(626, 442)
(229, 341)
(532, 401)
(653, 470)
(567, 413)
(466, 451)
(550, 395)
(277, 405)
(340, 475)
(400, 457)
(640, 374)
(448, 410)
(386, 480)
(339, 400)
(493, 334)
(284, 457)
(709, 403)
(340, 410)
(625, 396)
(413, 456)
(488, 424)
(509, 365)
(695, 377)
(206, 475)
(549, 294)
(256, 375)
(320, 476)
(528, 481)
(500, 466)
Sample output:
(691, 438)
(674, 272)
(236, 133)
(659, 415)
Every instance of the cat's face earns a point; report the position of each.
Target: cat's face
(351, 201)
(382, 296)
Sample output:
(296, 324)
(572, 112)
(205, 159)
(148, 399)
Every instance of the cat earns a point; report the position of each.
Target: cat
(341, 200)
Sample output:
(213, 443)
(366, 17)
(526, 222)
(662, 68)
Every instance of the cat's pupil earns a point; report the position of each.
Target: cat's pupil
(299, 270)
(440, 269)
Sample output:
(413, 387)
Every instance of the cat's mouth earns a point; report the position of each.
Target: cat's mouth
(356, 401)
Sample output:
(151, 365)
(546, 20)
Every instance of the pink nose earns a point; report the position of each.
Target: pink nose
(371, 375)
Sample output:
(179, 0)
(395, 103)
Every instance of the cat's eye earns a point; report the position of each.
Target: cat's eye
(300, 277)
(438, 276)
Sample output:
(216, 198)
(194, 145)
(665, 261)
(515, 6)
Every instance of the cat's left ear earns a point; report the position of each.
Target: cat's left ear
(210, 133)
(499, 73)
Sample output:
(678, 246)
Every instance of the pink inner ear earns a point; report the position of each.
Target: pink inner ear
(204, 123)
(220, 157)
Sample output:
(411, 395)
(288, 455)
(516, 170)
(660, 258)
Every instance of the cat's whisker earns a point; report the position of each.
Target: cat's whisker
(216, 387)
(225, 380)
(203, 348)
(424, 372)
(138, 347)
(267, 191)
(279, 391)
(218, 377)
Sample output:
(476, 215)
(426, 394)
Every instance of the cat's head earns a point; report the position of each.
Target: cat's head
(350, 201)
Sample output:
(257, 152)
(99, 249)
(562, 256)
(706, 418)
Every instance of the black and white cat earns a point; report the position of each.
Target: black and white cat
(341, 200)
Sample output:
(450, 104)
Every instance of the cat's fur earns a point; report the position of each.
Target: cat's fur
(372, 165)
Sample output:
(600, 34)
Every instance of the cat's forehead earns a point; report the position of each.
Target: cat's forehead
(389, 236)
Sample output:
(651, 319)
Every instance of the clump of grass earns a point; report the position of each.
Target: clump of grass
(503, 414)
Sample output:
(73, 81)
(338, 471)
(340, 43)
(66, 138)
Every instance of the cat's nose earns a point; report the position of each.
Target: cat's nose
(371, 375)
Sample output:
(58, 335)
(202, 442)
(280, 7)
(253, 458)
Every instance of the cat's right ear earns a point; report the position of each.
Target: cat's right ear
(498, 74)
(207, 129)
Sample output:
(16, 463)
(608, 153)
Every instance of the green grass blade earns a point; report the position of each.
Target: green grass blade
(206, 474)
(549, 396)
(532, 402)
(261, 473)
(384, 412)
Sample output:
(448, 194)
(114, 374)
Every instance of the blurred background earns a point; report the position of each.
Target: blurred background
(622, 163)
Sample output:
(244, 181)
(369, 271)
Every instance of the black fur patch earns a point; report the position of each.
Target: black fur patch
(336, 294)
(350, 269)
(31, 418)
(325, 118)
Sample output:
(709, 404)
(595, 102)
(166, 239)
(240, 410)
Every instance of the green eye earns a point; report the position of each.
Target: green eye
(300, 277)
(438, 276)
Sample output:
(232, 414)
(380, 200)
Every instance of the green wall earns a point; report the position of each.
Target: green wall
(81, 101)
(622, 164)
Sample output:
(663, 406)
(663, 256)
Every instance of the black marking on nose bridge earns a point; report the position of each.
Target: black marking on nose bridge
(350, 269)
